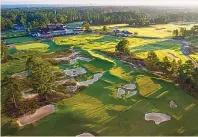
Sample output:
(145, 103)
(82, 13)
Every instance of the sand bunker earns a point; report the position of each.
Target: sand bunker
(157, 117)
(22, 74)
(85, 135)
(131, 93)
(40, 113)
(73, 54)
(120, 92)
(172, 104)
(73, 61)
(129, 86)
(29, 95)
(75, 71)
(91, 81)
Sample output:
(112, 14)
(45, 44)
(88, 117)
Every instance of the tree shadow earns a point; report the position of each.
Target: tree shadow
(64, 122)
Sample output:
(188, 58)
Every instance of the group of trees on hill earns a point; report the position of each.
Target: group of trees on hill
(185, 73)
(135, 16)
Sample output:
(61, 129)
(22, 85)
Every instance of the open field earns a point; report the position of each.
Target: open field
(153, 31)
(97, 109)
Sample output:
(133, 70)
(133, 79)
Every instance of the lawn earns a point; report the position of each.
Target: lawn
(10, 34)
(18, 40)
(33, 46)
(97, 109)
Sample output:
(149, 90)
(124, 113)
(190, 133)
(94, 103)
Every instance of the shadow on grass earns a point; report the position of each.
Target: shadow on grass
(64, 122)
(146, 37)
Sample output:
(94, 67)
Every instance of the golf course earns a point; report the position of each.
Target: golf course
(98, 109)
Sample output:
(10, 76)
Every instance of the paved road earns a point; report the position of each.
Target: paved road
(185, 51)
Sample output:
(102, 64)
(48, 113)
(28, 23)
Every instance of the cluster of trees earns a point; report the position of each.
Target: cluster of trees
(4, 52)
(123, 47)
(185, 33)
(42, 79)
(136, 16)
(185, 73)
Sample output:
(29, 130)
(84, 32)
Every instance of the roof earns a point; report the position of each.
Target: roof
(44, 30)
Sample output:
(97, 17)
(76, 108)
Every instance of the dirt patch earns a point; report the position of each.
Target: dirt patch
(91, 81)
(40, 113)
(157, 117)
(20, 75)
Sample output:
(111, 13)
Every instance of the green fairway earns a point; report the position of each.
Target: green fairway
(18, 40)
(97, 109)
(33, 46)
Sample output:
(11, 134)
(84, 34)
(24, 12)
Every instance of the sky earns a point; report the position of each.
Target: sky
(107, 2)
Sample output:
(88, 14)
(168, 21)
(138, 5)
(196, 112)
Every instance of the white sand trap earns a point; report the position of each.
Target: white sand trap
(120, 92)
(91, 81)
(129, 86)
(29, 95)
(172, 104)
(85, 135)
(157, 117)
(22, 74)
(75, 71)
(73, 61)
(40, 113)
(131, 93)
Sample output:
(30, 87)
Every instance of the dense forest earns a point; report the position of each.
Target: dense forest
(135, 16)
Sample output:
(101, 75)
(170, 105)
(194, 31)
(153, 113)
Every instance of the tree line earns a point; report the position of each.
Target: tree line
(186, 33)
(185, 73)
(136, 16)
